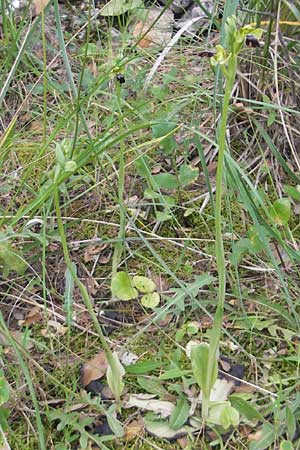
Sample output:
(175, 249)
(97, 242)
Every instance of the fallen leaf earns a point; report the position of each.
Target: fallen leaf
(183, 442)
(59, 329)
(92, 251)
(94, 369)
(32, 317)
(147, 402)
(134, 429)
(163, 430)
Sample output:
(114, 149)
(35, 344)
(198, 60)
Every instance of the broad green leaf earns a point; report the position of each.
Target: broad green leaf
(188, 174)
(267, 438)
(114, 424)
(60, 156)
(245, 408)
(200, 361)
(4, 414)
(121, 287)
(140, 368)
(10, 259)
(223, 414)
(142, 166)
(290, 422)
(4, 389)
(143, 284)
(166, 181)
(292, 191)
(179, 414)
(118, 7)
(162, 129)
(286, 445)
(229, 416)
(150, 300)
(68, 295)
(114, 377)
(281, 211)
(152, 385)
(173, 373)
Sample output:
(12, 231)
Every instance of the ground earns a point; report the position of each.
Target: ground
(101, 176)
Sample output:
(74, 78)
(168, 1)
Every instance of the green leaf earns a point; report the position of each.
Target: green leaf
(4, 389)
(4, 414)
(68, 295)
(114, 377)
(223, 414)
(245, 408)
(114, 424)
(229, 416)
(118, 7)
(121, 287)
(60, 156)
(162, 216)
(267, 438)
(162, 129)
(290, 422)
(165, 181)
(152, 385)
(143, 367)
(143, 284)
(280, 211)
(188, 174)
(173, 373)
(179, 414)
(11, 259)
(200, 359)
(292, 191)
(150, 300)
(286, 445)
(142, 166)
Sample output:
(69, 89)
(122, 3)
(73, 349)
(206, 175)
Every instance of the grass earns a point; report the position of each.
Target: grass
(91, 183)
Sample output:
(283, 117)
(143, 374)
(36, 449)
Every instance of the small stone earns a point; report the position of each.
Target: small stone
(192, 13)
(178, 6)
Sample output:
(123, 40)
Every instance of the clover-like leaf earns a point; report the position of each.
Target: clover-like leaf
(143, 284)
(121, 287)
(150, 300)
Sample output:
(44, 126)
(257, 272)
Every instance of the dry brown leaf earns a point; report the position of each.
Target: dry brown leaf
(134, 429)
(94, 369)
(40, 5)
(92, 251)
(255, 436)
(183, 442)
(33, 316)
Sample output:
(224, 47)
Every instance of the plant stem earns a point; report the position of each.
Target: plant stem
(119, 247)
(220, 256)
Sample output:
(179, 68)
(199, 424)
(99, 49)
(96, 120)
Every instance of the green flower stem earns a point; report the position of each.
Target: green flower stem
(220, 256)
(119, 246)
(81, 287)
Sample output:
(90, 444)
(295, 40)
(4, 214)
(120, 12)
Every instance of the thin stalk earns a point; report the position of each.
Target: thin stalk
(28, 378)
(81, 287)
(220, 256)
(119, 247)
(44, 78)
